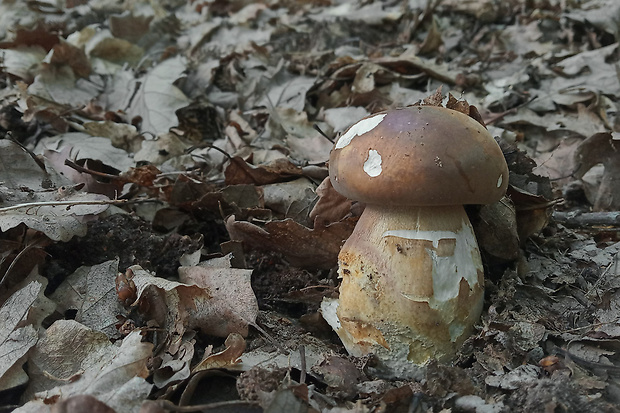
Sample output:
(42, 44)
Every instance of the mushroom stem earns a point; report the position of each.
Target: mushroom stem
(412, 283)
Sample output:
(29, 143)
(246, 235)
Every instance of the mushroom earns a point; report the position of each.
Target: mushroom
(412, 277)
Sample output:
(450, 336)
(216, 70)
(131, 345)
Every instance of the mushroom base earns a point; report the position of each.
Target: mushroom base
(412, 285)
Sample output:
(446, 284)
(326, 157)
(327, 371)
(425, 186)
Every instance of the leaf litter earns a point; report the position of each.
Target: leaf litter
(168, 228)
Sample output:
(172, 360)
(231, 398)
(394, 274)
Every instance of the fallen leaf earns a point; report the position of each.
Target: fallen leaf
(235, 346)
(35, 197)
(81, 403)
(83, 146)
(17, 334)
(239, 171)
(71, 359)
(129, 27)
(514, 379)
(293, 199)
(301, 246)
(232, 304)
(601, 148)
(91, 292)
(174, 363)
(216, 300)
(331, 206)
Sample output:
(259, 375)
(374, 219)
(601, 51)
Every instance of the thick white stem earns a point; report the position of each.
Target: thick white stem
(412, 284)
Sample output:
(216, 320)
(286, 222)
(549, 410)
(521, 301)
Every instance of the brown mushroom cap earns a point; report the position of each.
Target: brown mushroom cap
(418, 155)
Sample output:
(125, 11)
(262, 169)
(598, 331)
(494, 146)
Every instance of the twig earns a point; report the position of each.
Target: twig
(268, 336)
(17, 258)
(587, 219)
(58, 203)
(219, 406)
(323, 134)
(610, 368)
(302, 356)
(84, 170)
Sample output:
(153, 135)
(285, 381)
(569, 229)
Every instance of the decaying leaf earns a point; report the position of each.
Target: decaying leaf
(495, 226)
(235, 346)
(232, 305)
(239, 171)
(91, 291)
(38, 198)
(301, 246)
(18, 330)
(71, 359)
(157, 99)
(213, 298)
(601, 148)
(331, 206)
(174, 362)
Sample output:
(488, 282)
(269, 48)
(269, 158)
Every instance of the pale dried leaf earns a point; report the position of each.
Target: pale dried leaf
(71, 359)
(23, 182)
(15, 337)
(85, 146)
(157, 99)
(59, 85)
(92, 292)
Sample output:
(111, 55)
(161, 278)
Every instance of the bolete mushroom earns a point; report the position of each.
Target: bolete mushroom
(412, 277)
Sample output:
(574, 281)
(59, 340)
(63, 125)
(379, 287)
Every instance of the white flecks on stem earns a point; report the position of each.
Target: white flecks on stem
(359, 128)
(372, 166)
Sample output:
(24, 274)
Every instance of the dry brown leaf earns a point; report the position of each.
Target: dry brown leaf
(174, 362)
(81, 403)
(496, 230)
(340, 374)
(231, 305)
(219, 300)
(129, 27)
(331, 206)
(293, 199)
(66, 53)
(601, 148)
(17, 334)
(39, 36)
(433, 40)
(301, 246)
(239, 171)
(71, 359)
(235, 346)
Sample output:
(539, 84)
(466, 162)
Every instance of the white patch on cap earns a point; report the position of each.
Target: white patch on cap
(448, 270)
(359, 128)
(372, 166)
(500, 180)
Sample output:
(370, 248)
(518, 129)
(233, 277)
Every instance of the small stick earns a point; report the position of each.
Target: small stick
(84, 170)
(302, 356)
(587, 219)
(323, 134)
(58, 203)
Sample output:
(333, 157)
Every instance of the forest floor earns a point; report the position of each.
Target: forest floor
(168, 232)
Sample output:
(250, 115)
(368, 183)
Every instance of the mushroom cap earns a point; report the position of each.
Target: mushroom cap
(418, 155)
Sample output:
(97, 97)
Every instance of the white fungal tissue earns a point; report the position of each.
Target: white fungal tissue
(372, 166)
(358, 129)
(499, 180)
(448, 270)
